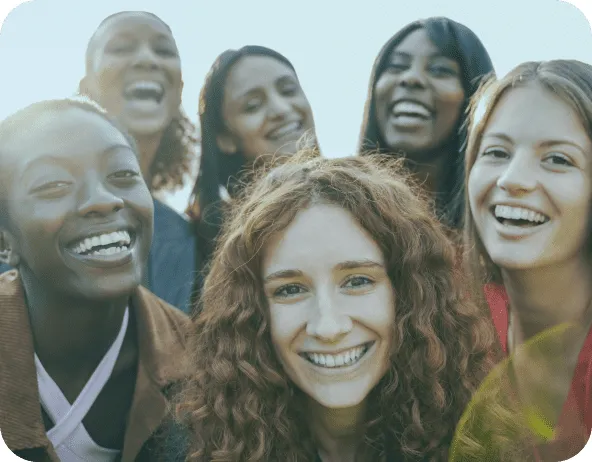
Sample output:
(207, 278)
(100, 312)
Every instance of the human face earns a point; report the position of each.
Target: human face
(264, 108)
(79, 212)
(331, 306)
(419, 97)
(135, 73)
(529, 188)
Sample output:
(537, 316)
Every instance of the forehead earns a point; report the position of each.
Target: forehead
(132, 24)
(69, 133)
(416, 43)
(251, 72)
(532, 112)
(322, 235)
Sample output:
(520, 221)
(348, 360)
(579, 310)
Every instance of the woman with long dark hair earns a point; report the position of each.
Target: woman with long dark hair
(421, 83)
(334, 324)
(251, 107)
(133, 70)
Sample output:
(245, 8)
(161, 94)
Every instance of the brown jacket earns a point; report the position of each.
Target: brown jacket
(161, 333)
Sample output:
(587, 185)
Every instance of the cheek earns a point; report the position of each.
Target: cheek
(449, 100)
(285, 324)
(382, 90)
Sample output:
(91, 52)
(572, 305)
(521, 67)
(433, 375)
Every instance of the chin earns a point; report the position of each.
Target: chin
(147, 127)
(110, 288)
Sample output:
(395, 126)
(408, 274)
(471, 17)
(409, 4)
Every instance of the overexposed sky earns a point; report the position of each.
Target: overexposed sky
(331, 43)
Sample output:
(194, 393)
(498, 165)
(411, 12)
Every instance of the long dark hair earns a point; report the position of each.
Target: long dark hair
(218, 170)
(459, 43)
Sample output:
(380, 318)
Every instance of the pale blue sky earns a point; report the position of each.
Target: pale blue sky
(331, 43)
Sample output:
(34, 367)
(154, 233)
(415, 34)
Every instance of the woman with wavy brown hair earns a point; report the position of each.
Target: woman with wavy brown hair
(529, 190)
(133, 70)
(334, 323)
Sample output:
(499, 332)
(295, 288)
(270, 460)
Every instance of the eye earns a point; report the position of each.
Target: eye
(440, 70)
(125, 174)
(355, 282)
(396, 67)
(51, 188)
(166, 51)
(496, 153)
(289, 89)
(252, 105)
(559, 159)
(288, 290)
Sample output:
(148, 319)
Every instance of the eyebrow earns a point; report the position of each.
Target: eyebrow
(544, 144)
(435, 54)
(246, 93)
(343, 266)
(50, 158)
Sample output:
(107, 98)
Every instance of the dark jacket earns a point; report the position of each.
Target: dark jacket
(172, 262)
(161, 347)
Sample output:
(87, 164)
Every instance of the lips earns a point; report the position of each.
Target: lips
(342, 359)
(521, 216)
(410, 108)
(285, 130)
(106, 243)
(144, 90)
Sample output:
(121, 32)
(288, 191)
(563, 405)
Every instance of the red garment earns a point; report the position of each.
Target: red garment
(575, 423)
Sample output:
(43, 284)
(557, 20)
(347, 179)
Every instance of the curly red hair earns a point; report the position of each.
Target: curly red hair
(239, 404)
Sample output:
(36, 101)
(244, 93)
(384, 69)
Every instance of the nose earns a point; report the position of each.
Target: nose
(97, 200)
(412, 77)
(278, 107)
(146, 58)
(327, 323)
(519, 175)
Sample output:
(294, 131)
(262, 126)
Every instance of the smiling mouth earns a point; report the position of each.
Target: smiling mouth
(410, 109)
(285, 130)
(117, 242)
(518, 216)
(343, 359)
(144, 90)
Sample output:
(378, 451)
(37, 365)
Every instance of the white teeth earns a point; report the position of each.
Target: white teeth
(518, 213)
(122, 240)
(410, 108)
(145, 85)
(284, 130)
(343, 359)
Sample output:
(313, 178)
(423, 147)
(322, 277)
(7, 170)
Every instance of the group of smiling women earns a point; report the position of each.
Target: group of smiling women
(428, 299)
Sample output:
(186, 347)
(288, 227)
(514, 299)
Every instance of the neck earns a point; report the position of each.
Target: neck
(147, 148)
(71, 334)
(430, 173)
(545, 297)
(338, 432)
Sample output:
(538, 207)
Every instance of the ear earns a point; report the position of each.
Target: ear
(8, 255)
(84, 87)
(226, 144)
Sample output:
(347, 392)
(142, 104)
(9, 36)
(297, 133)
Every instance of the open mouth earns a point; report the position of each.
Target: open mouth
(518, 216)
(411, 110)
(117, 242)
(144, 90)
(343, 359)
(285, 130)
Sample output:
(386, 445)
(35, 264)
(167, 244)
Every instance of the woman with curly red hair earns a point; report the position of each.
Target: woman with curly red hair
(334, 323)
